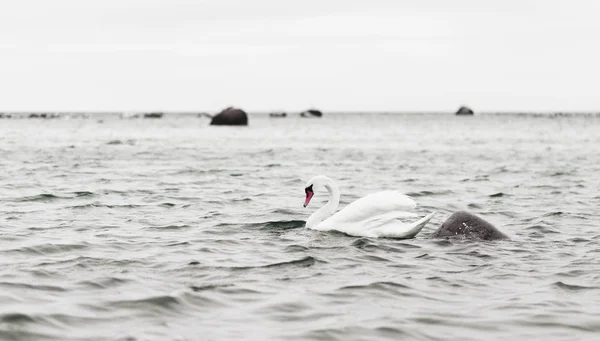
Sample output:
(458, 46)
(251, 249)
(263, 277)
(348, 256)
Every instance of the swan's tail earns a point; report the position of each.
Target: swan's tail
(403, 230)
(418, 225)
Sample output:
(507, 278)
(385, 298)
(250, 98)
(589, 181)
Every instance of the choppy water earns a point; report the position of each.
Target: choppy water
(174, 230)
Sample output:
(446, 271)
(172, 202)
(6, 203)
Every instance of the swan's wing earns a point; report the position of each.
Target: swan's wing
(373, 205)
(402, 230)
(388, 225)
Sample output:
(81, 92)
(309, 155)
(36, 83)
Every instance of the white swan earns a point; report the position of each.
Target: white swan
(375, 215)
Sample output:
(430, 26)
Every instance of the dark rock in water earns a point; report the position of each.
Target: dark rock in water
(153, 115)
(277, 114)
(464, 111)
(463, 224)
(230, 117)
(311, 113)
(43, 115)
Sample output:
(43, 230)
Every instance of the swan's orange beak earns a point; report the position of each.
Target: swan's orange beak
(309, 195)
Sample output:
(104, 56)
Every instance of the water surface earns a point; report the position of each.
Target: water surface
(170, 229)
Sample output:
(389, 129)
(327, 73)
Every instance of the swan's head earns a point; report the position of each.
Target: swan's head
(313, 185)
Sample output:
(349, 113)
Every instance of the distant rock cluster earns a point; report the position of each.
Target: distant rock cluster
(230, 116)
(44, 115)
(237, 117)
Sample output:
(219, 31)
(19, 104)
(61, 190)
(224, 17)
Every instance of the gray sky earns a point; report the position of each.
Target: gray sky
(290, 55)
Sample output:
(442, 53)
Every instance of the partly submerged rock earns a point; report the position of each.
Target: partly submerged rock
(153, 115)
(311, 113)
(230, 116)
(463, 224)
(464, 111)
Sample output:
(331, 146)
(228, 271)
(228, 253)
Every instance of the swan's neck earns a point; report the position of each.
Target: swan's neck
(329, 209)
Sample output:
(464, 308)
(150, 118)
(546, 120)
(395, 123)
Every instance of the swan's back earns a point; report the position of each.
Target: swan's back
(374, 205)
(381, 214)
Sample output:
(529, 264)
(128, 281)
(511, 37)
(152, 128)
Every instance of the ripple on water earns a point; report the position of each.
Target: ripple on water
(161, 305)
(302, 262)
(28, 286)
(47, 249)
(267, 225)
(573, 287)
(104, 283)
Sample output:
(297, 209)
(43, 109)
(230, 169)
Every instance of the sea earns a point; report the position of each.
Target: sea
(172, 229)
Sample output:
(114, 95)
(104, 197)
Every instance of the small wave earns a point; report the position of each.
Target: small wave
(541, 229)
(497, 195)
(120, 142)
(363, 243)
(557, 174)
(302, 262)
(368, 245)
(104, 283)
(579, 240)
(43, 249)
(96, 204)
(373, 258)
(477, 178)
(572, 287)
(278, 225)
(428, 193)
(283, 211)
(296, 248)
(16, 318)
(208, 287)
(477, 254)
(167, 302)
(170, 227)
(83, 194)
(161, 304)
(32, 286)
(79, 207)
(385, 285)
(43, 197)
(443, 242)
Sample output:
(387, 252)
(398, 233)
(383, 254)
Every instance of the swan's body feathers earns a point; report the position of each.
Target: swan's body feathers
(381, 214)
(373, 205)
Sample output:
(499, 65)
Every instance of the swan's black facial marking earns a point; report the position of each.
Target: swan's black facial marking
(309, 194)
